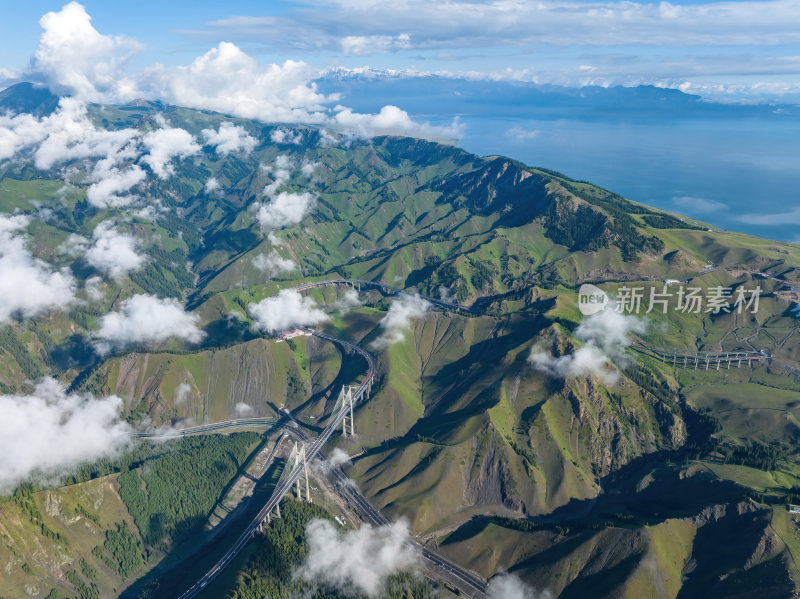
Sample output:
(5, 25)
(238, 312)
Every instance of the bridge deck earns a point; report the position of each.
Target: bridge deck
(689, 358)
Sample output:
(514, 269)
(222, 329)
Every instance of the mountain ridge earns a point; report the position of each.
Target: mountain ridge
(464, 437)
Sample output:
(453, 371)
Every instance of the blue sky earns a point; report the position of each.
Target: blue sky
(728, 50)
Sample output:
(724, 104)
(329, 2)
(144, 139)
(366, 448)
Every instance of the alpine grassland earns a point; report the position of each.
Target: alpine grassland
(645, 479)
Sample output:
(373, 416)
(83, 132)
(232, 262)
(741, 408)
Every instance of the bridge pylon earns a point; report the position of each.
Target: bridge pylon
(299, 458)
(346, 395)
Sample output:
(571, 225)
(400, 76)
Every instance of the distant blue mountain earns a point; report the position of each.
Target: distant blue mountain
(27, 97)
(442, 97)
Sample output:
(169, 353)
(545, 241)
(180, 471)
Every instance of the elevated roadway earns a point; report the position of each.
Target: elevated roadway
(287, 482)
(696, 359)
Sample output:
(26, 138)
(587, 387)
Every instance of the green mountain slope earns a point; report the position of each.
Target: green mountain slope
(574, 484)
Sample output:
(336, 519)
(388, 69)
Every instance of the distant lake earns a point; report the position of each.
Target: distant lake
(719, 170)
(736, 167)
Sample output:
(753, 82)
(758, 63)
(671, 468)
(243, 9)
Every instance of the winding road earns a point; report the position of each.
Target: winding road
(452, 574)
(436, 564)
(286, 483)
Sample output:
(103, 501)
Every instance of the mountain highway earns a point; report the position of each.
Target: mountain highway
(437, 565)
(447, 571)
(285, 484)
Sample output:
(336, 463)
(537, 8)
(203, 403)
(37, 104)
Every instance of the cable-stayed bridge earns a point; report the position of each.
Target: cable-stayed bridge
(303, 454)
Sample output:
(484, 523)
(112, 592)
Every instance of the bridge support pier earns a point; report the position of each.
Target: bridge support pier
(299, 455)
(347, 398)
(277, 513)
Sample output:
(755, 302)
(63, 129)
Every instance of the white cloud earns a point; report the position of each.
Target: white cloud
(349, 299)
(212, 185)
(147, 319)
(111, 182)
(284, 210)
(698, 205)
(417, 24)
(112, 252)
(273, 264)
(165, 144)
(284, 135)
(391, 120)
(182, 392)
(7, 76)
(338, 457)
(70, 135)
(76, 59)
(150, 211)
(327, 139)
(404, 309)
(94, 288)
(280, 171)
(607, 334)
(359, 559)
(286, 310)
(308, 169)
(46, 434)
(230, 138)
(610, 331)
(65, 135)
(28, 286)
(523, 134)
(509, 586)
(242, 410)
(360, 45)
(790, 217)
(584, 361)
(227, 80)
(74, 245)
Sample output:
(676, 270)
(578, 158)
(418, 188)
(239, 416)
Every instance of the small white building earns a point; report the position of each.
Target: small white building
(291, 333)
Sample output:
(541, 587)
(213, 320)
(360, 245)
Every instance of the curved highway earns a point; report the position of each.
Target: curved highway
(441, 567)
(446, 570)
